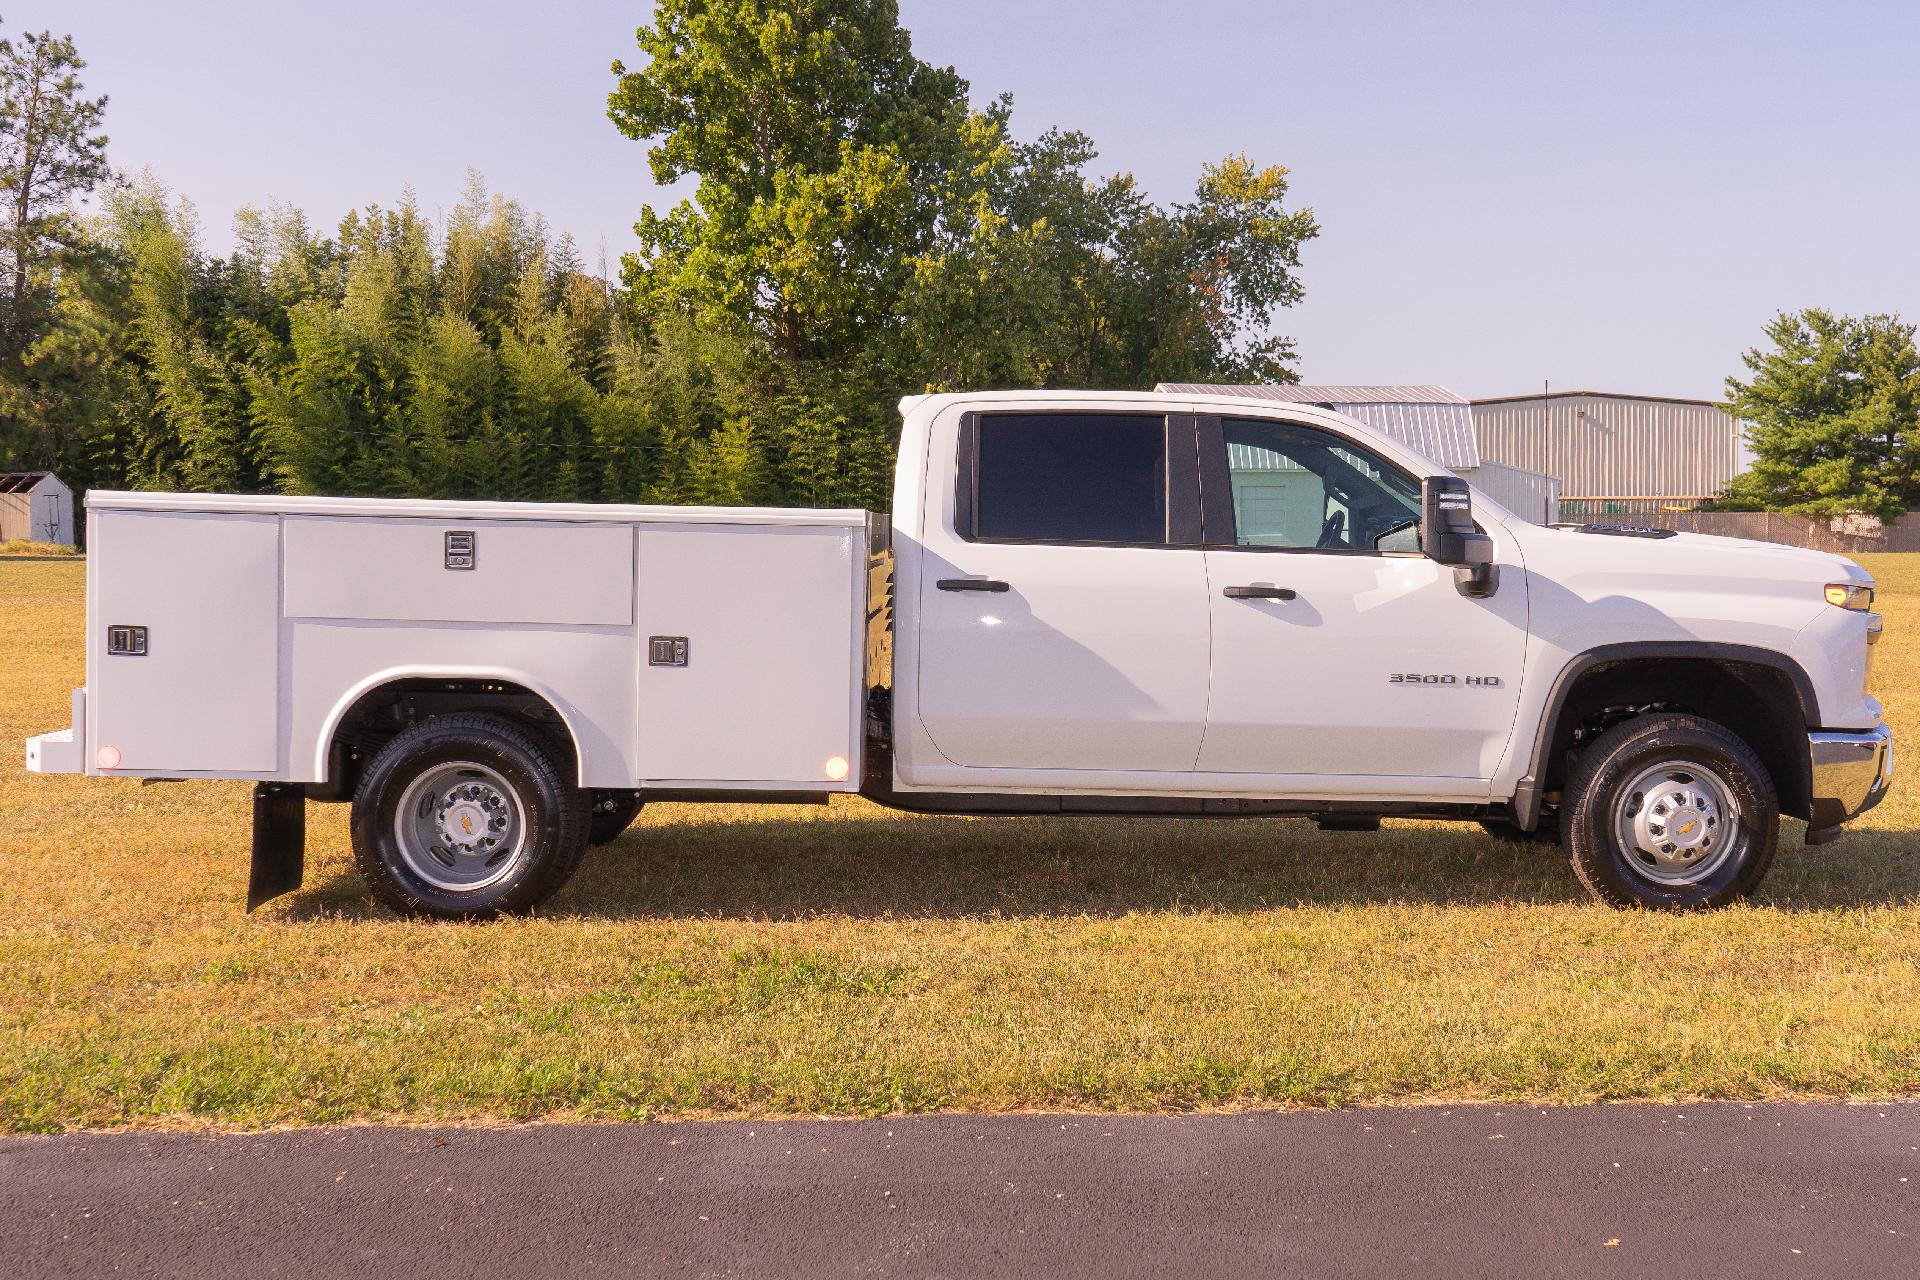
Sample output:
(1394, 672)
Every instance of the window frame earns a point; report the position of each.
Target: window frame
(1180, 467)
(1216, 485)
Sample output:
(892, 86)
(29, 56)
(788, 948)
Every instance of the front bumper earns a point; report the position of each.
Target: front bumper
(1851, 773)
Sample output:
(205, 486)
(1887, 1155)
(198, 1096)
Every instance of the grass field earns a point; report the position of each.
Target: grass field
(742, 961)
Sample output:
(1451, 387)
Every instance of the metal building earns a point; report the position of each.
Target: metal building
(1615, 453)
(1431, 419)
(36, 506)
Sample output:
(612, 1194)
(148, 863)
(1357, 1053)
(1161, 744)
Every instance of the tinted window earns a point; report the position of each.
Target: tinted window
(1297, 487)
(1050, 477)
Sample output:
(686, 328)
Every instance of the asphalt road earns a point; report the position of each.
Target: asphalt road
(1719, 1190)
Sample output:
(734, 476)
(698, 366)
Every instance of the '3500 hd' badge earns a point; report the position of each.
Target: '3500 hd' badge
(1471, 682)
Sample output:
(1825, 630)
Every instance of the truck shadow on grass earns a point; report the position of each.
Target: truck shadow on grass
(943, 868)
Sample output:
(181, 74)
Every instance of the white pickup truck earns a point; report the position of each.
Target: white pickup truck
(1084, 603)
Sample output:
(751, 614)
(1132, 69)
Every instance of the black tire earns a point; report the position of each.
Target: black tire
(1608, 790)
(517, 771)
(1548, 832)
(613, 812)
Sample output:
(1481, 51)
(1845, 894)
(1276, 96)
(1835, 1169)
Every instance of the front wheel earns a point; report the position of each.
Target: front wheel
(1671, 812)
(466, 817)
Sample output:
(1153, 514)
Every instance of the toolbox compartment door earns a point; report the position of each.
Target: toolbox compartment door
(751, 648)
(199, 691)
(414, 570)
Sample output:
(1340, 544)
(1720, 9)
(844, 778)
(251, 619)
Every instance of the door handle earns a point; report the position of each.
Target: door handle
(1260, 593)
(971, 584)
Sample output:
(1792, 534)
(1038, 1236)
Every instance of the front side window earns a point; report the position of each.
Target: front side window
(1299, 488)
(1066, 477)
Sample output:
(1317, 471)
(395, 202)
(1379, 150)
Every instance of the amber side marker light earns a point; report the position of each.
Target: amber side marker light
(1850, 595)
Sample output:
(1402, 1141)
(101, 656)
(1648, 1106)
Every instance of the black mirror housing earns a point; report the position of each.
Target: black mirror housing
(1447, 532)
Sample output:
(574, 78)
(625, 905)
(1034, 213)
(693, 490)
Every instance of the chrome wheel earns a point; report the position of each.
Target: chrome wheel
(460, 827)
(1676, 822)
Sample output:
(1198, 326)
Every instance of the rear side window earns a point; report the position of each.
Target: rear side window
(1063, 477)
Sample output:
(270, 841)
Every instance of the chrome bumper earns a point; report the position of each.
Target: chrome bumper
(1851, 774)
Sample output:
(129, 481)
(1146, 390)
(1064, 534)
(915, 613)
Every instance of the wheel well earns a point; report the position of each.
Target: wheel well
(383, 712)
(1759, 703)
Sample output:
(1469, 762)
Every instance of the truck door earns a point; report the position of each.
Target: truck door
(1338, 649)
(1063, 599)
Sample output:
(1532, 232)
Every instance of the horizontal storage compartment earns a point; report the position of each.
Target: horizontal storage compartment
(413, 570)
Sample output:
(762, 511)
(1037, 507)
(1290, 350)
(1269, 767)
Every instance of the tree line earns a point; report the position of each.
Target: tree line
(859, 230)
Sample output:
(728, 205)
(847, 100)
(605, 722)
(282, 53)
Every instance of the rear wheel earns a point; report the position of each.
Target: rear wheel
(1672, 812)
(465, 817)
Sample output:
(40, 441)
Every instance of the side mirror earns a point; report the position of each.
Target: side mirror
(1449, 536)
(1447, 532)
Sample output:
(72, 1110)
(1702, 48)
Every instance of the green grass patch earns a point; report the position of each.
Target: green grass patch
(758, 961)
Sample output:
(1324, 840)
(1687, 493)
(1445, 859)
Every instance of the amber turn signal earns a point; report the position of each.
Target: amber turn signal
(1850, 595)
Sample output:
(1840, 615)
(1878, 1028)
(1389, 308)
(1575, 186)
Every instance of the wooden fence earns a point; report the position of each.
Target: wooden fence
(1774, 526)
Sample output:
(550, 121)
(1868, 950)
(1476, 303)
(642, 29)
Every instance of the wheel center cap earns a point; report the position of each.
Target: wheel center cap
(464, 823)
(1687, 827)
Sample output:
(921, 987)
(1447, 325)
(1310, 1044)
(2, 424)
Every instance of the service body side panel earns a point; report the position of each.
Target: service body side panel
(774, 624)
(586, 673)
(204, 698)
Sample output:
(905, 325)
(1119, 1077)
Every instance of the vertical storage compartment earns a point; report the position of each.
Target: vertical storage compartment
(183, 645)
(750, 653)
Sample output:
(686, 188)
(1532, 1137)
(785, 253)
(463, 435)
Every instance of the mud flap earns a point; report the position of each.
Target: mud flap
(279, 841)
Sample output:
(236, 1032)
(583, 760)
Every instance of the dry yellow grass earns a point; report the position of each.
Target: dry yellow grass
(28, 547)
(755, 961)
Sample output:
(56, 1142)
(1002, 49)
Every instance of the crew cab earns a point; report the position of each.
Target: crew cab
(1082, 603)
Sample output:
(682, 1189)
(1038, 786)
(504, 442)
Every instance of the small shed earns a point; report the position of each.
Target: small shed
(34, 505)
(1432, 420)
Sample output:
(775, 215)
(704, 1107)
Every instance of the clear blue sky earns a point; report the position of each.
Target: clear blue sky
(1610, 195)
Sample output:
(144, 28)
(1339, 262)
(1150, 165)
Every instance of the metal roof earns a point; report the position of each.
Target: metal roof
(1597, 395)
(1431, 419)
(18, 481)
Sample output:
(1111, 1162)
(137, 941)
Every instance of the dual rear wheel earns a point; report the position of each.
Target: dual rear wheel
(467, 817)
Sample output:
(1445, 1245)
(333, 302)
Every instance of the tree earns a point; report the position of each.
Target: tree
(812, 127)
(868, 232)
(1834, 416)
(50, 150)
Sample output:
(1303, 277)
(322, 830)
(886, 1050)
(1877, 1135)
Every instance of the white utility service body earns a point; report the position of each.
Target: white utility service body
(267, 619)
(1083, 602)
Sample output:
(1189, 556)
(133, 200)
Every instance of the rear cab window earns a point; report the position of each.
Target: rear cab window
(1089, 479)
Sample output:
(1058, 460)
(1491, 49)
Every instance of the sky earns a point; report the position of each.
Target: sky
(1611, 196)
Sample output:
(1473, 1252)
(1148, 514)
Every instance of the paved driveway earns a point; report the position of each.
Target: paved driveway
(1715, 1190)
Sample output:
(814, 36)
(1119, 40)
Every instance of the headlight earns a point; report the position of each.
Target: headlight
(1850, 595)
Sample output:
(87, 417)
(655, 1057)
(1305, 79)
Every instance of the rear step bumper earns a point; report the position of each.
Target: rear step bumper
(65, 751)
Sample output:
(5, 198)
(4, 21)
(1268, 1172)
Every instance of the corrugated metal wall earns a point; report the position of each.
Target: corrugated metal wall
(1614, 446)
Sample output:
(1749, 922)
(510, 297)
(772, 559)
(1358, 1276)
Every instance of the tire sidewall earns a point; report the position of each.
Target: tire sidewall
(552, 814)
(1596, 850)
